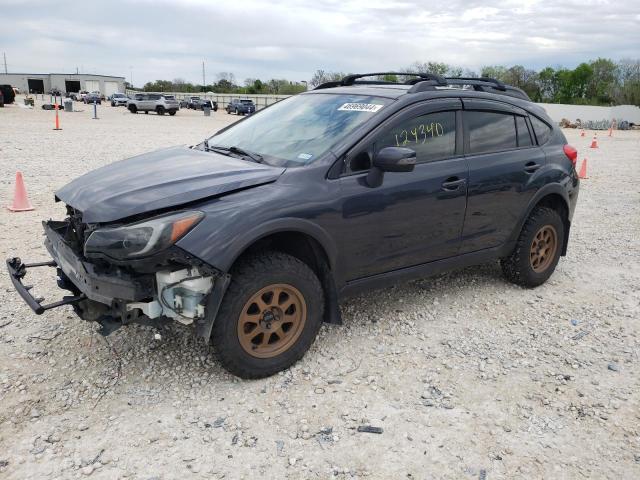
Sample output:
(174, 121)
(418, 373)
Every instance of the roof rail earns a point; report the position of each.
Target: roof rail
(430, 81)
(351, 79)
(479, 84)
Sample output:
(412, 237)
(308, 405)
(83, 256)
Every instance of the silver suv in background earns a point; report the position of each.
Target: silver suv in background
(153, 102)
(118, 99)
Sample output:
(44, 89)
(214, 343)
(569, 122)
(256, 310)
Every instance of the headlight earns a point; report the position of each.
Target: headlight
(141, 239)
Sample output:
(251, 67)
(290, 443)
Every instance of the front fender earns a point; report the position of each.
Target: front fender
(300, 225)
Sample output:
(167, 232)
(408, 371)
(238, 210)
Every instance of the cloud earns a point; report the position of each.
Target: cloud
(291, 39)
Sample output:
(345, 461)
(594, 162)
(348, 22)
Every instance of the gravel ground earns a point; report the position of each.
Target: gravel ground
(467, 376)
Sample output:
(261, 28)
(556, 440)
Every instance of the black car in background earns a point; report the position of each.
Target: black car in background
(241, 106)
(8, 94)
(201, 103)
(93, 97)
(254, 236)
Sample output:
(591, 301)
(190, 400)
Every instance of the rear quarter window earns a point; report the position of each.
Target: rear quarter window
(524, 137)
(541, 129)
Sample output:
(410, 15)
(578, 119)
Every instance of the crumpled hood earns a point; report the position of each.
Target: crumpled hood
(160, 179)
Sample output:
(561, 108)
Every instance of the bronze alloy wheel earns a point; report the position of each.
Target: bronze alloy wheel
(272, 320)
(543, 248)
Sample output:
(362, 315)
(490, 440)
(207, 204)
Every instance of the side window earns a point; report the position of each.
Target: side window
(542, 130)
(154, 97)
(524, 137)
(432, 136)
(490, 131)
(138, 96)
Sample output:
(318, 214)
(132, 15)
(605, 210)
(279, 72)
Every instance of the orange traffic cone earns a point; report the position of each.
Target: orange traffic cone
(583, 170)
(594, 142)
(57, 118)
(21, 201)
(582, 133)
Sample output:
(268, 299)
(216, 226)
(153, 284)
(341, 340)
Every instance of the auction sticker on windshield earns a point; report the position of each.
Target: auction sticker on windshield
(361, 107)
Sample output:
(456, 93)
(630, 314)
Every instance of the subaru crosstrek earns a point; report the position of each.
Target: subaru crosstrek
(255, 235)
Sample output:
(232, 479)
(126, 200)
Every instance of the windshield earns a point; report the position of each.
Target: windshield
(298, 130)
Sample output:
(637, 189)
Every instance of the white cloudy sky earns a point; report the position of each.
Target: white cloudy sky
(291, 39)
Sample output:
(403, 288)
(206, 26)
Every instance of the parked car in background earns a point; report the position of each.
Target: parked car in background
(153, 102)
(79, 96)
(200, 104)
(119, 99)
(93, 97)
(7, 93)
(241, 106)
(191, 102)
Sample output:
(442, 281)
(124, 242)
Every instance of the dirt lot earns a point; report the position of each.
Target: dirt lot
(467, 375)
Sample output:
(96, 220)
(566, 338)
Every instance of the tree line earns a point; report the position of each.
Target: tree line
(597, 82)
(226, 83)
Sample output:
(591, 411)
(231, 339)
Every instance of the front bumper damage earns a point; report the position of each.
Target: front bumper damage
(113, 296)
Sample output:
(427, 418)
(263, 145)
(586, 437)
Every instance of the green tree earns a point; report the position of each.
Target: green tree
(547, 85)
(603, 80)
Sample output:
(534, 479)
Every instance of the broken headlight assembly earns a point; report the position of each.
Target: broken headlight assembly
(141, 239)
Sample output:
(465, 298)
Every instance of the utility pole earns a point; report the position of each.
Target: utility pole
(5, 62)
(203, 78)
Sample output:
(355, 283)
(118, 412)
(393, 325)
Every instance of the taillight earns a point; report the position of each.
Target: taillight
(571, 153)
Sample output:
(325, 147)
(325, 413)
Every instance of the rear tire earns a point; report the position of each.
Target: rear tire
(269, 317)
(172, 112)
(160, 110)
(537, 250)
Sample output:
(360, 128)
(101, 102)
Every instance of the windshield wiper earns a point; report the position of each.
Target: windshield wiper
(256, 157)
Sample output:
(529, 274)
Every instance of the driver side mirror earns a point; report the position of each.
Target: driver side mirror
(390, 159)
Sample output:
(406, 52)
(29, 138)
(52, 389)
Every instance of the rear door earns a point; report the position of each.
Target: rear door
(413, 217)
(503, 164)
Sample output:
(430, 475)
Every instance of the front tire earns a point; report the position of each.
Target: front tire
(160, 110)
(537, 250)
(269, 317)
(133, 109)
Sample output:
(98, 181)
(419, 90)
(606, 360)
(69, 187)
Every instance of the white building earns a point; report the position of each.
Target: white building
(64, 82)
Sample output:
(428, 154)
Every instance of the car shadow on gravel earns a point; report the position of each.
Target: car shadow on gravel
(178, 357)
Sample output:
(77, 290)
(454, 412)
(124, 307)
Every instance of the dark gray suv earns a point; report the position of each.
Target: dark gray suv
(254, 236)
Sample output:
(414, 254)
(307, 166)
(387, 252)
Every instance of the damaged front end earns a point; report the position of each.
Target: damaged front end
(130, 273)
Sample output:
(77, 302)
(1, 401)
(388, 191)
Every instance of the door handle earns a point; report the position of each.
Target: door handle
(531, 167)
(453, 183)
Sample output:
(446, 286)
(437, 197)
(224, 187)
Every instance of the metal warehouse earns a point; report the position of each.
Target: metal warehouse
(64, 82)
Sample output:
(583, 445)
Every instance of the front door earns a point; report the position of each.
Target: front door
(414, 217)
